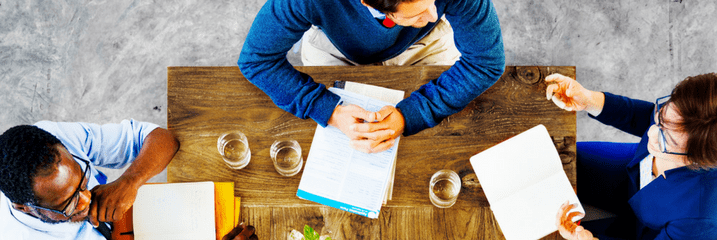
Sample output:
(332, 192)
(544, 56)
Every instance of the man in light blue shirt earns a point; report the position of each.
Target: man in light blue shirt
(51, 188)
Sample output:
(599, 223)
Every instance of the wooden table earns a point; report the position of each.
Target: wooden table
(203, 102)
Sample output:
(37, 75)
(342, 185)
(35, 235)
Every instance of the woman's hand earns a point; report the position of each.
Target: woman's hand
(568, 94)
(567, 228)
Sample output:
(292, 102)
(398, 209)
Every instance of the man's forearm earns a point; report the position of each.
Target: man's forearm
(157, 151)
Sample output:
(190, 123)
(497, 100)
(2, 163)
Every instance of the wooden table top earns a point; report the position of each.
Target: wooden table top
(204, 102)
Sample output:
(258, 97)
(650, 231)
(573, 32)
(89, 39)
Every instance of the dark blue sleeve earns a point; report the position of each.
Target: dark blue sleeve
(482, 62)
(701, 228)
(629, 115)
(278, 25)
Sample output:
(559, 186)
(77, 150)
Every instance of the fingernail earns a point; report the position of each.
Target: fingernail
(352, 127)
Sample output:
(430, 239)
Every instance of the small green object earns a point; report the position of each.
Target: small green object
(310, 234)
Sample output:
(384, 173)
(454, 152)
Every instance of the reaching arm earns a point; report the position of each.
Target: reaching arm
(570, 95)
(478, 38)
(278, 25)
(110, 201)
(629, 115)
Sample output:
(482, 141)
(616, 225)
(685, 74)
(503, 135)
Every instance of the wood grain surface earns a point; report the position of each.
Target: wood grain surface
(204, 102)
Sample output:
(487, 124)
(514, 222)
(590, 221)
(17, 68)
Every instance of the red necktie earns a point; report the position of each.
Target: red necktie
(388, 23)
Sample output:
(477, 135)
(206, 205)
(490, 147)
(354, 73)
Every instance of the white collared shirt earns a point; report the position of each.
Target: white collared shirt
(109, 145)
(646, 176)
(376, 13)
(15, 224)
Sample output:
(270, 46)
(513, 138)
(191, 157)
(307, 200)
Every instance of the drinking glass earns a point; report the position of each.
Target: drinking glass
(444, 188)
(286, 155)
(234, 149)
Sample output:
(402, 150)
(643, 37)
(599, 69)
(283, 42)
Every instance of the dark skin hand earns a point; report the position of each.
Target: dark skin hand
(110, 201)
(241, 232)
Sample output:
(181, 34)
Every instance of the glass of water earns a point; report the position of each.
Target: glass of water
(234, 149)
(444, 188)
(286, 155)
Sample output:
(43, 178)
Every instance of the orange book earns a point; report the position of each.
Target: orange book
(223, 207)
(237, 211)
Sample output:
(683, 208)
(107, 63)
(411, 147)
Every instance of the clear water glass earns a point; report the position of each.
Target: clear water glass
(444, 188)
(234, 149)
(286, 155)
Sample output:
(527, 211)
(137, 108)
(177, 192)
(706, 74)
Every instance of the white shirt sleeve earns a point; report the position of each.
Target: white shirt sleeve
(109, 145)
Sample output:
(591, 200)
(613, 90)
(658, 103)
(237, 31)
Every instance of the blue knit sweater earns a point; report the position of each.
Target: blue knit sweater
(361, 38)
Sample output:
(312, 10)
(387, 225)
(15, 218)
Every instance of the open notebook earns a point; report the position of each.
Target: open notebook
(194, 210)
(524, 181)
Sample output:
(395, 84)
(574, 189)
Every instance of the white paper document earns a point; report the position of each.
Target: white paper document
(525, 184)
(388, 95)
(175, 211)
(338, 176)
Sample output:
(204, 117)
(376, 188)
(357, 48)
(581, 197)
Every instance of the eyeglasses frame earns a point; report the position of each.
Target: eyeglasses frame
(662, 140)
(75, 197)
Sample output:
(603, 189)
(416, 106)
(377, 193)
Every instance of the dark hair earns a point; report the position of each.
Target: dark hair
(25, 152)
(386, 6)
(695, 99)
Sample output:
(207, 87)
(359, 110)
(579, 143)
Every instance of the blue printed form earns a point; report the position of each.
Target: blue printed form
(341, 177)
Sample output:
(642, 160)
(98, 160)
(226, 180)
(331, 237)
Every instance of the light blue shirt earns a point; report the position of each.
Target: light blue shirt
(376, 13)
(109, 145)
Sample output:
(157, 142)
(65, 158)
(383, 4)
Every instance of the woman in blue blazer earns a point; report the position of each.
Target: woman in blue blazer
(665, 186)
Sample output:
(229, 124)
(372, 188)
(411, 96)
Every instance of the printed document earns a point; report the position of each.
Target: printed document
(524, 181)
(338, 176)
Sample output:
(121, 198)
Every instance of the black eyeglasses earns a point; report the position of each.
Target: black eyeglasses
(659, 103)
(71, 206)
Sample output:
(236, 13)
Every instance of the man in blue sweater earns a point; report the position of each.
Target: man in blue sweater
(355, 31)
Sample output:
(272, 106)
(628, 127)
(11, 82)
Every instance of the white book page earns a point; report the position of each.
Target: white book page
(530, 213)
(524, 182)
(175, 211)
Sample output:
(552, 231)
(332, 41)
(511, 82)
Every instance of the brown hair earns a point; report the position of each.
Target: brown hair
(695, 99)
(386, 6)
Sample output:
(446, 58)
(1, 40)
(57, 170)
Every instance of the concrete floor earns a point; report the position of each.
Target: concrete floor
(104, 61)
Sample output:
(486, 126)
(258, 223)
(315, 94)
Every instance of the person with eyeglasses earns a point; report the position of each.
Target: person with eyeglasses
(51, 188)
(463, 33)
(665, 186)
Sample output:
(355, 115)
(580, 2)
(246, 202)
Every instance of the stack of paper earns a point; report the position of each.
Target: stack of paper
(391, 96)
(338, 176)
(524, 181)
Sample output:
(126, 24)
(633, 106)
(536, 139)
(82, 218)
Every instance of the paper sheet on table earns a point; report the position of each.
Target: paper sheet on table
(388, 95)
(525, 184)
(338, 176)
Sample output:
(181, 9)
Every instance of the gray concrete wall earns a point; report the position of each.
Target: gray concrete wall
(104, 61)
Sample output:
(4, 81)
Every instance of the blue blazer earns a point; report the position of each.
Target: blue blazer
(683, 205)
